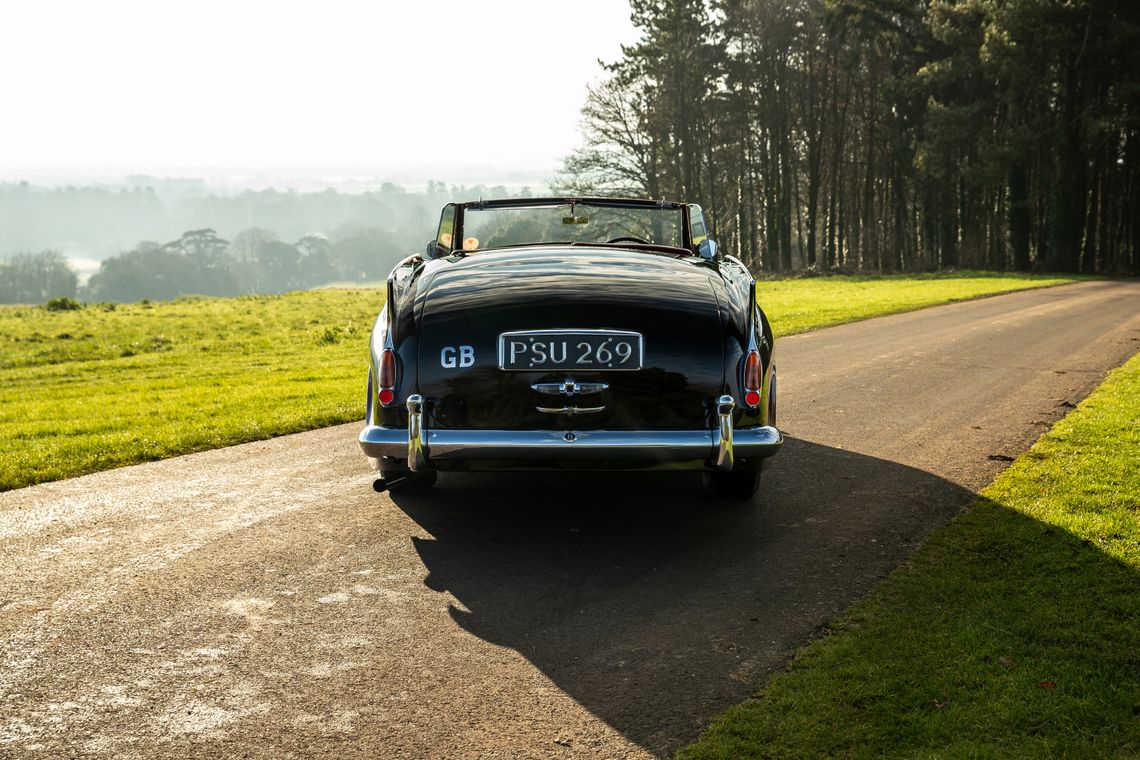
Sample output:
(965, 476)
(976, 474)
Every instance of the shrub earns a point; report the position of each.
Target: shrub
(329, 336)
(62, 304)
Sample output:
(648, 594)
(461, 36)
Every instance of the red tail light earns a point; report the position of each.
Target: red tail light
(387, 368)
(387, 379)
(752, 378)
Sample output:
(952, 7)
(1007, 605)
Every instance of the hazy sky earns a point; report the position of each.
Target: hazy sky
(331, 86)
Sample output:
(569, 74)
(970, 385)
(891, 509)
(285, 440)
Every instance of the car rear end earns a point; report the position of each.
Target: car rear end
(572, 358)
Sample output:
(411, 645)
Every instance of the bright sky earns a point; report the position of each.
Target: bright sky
(357, 87)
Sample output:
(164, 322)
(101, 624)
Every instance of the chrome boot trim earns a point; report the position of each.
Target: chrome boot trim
(724, 454)
(416, 458)
(570, 410)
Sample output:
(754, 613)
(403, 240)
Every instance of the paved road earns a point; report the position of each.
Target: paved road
(261, 601)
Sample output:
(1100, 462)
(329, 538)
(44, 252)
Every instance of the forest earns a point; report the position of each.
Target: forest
(882, 135)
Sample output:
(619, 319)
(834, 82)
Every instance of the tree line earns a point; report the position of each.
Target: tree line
(96, 221)
(203, 263)
(366, 235)
(882, 135)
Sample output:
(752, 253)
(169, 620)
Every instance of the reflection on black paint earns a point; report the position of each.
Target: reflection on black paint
(673, 303)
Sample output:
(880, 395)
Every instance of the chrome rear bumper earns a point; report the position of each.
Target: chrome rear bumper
(719, 447)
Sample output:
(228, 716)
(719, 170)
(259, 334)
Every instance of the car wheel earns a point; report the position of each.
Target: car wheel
(738, 485)
(406, 481)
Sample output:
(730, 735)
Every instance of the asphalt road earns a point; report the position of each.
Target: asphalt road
(262, 601)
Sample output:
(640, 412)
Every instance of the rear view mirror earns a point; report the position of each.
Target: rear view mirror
(707, 249)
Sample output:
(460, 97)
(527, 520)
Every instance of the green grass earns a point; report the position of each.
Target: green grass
(1012, 632)
(87, 390)
(796, 306)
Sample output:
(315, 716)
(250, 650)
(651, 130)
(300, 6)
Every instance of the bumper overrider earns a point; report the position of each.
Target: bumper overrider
(718, 448)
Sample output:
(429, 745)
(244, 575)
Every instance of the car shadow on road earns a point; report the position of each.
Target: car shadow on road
(653, 606)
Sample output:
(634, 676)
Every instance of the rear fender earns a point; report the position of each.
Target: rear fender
(395, 328)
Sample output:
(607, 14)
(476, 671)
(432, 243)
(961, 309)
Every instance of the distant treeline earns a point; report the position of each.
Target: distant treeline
(201, 262)
(94, 222)
(343, 237)
(883, 134)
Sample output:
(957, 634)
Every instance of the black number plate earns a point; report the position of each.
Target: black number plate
(597, 350)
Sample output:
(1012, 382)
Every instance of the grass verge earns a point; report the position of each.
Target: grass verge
(111, 385)
(796, 306)
(1012, 632)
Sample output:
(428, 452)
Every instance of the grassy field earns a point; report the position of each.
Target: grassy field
(103, 387)
(87, 390)
(1012, 632)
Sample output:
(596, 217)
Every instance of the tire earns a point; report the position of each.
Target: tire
(410, 482)
(737, 485)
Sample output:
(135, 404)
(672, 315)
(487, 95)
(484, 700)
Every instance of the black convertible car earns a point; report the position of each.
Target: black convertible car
(571, 333)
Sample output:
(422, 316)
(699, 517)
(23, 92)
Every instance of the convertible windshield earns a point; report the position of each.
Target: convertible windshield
(571, 223)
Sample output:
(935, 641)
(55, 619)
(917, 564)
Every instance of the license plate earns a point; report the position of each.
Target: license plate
(595, 350)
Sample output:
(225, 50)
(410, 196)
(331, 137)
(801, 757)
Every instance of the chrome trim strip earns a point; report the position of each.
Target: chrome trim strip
(417, 459)
(657, 445)
(625, 445)
(724, 451)
(583, 331)
(570, 410)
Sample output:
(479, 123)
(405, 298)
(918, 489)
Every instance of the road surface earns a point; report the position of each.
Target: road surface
(262, 601)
